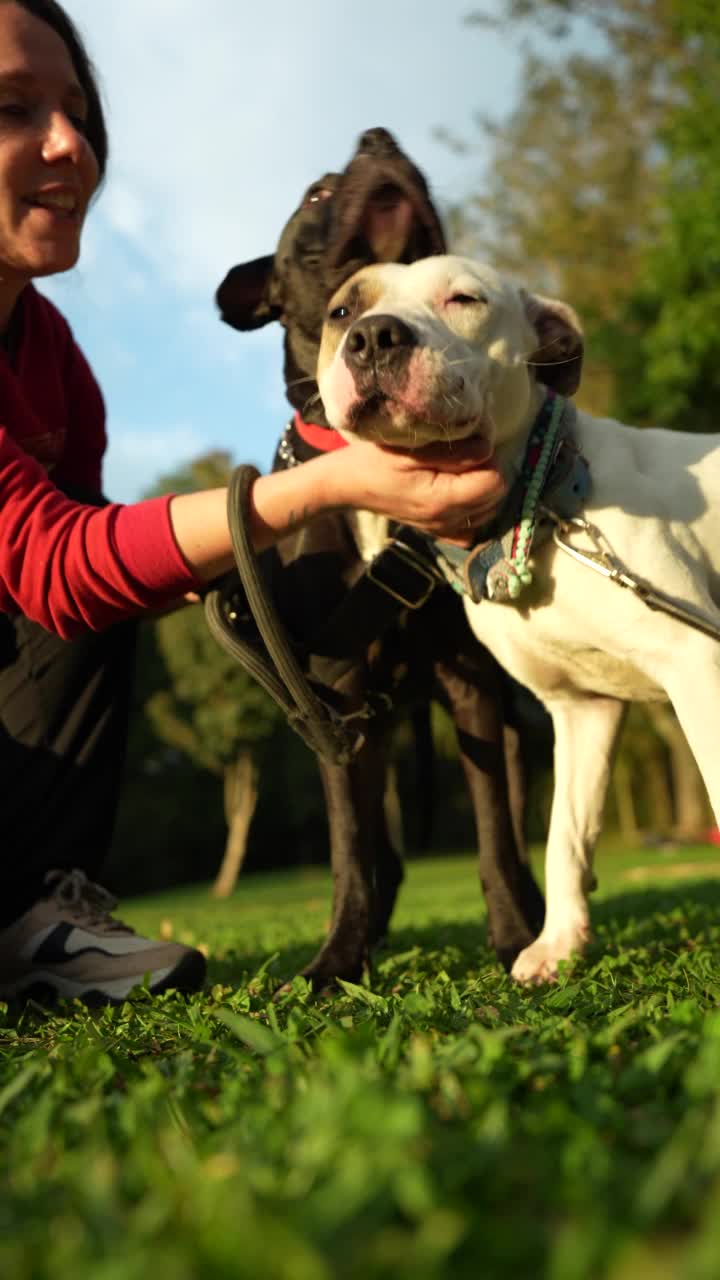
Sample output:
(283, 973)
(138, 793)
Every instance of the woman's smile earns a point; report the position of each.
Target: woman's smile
(57, 200)
(48, 171)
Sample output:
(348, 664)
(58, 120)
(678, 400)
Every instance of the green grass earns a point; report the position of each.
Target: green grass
(437, 1123)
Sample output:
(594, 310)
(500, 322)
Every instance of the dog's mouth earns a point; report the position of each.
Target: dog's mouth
(387, 419)
(379, 229)
(383, 212)
(363, 413)
(387, 222)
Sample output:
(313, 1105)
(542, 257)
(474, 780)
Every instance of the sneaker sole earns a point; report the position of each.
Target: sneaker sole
(187, 976)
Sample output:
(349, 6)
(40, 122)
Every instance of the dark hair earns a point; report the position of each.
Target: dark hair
(54, 15)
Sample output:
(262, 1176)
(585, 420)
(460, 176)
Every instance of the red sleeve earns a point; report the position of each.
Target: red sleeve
(86, 441)
(72, 567)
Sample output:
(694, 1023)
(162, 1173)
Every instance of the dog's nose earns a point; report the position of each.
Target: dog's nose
(378, 340)
(378, 143)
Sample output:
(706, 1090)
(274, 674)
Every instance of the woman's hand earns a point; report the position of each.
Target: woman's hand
(447, 490)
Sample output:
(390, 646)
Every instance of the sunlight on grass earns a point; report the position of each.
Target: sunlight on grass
(437, 1122)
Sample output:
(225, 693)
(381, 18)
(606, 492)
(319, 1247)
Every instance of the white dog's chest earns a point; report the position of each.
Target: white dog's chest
(553, 668)
(581, 634)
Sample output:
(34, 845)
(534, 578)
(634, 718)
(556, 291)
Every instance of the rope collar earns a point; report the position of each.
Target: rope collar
(553, 478)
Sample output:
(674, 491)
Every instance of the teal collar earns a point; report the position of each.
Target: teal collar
(554, 477)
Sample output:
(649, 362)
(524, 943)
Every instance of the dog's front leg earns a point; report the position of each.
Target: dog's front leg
(514, 903)
(353, 795)
(361, 842)
(586, 732)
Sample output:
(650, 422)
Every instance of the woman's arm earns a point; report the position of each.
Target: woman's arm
(71, 567)
(444, 491)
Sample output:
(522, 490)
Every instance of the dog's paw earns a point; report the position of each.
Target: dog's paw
(541, 960)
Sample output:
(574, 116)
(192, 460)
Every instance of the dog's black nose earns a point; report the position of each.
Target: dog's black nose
(378, 340)
(377, 142)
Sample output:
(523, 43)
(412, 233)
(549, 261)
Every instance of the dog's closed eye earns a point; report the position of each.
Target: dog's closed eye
(467, 299)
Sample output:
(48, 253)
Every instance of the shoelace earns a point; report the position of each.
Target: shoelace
(86, 900)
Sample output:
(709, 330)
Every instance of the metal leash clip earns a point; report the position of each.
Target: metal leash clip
(604, 561)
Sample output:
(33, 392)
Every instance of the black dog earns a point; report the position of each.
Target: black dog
(378, 210)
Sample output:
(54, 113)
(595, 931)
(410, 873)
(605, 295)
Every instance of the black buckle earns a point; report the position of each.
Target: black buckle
(422, 575)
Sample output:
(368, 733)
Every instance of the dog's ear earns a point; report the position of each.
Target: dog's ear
(245, 297)
(557, 359)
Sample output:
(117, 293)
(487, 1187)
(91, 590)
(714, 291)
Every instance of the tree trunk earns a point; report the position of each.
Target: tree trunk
(658, 793)
(625, 802)
(241, 792)
(690, 797)
(393, 810)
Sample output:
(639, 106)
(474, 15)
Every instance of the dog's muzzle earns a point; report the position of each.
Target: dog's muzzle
(379, 342)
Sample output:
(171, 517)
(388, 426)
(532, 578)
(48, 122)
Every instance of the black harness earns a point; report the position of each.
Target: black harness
(243, 617)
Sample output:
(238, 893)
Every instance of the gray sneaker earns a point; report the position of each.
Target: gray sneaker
(67, 944)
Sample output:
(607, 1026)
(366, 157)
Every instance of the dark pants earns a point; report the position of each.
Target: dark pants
(64, 708)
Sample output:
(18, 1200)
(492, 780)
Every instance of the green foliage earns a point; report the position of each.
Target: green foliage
(209, 471)
(673, 316)
(212, 707)
(436, 1123)
(603, 188)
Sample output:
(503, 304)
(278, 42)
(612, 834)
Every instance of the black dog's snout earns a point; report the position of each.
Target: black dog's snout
(377, 142)
(379, 340)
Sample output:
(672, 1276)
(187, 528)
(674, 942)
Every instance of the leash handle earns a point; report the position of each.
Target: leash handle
(281, 677)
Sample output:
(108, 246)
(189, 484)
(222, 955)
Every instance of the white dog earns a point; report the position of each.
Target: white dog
(446, 348)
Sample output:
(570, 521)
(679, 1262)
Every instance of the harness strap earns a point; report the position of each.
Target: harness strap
(401, 576)
(243, 619)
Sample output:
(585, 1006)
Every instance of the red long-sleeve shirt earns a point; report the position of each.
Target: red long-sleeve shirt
(68, 566)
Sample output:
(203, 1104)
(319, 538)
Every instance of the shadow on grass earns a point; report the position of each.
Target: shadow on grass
(663, 917)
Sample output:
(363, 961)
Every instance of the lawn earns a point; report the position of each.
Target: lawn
(438, 1122)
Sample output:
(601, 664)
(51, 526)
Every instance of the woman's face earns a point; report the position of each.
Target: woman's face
(48, 170)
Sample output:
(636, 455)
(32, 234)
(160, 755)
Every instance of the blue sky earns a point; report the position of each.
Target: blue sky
(220, 114)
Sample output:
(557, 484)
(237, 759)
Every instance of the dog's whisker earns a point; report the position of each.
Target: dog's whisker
(545, 364)
(312, 400)
(546, 346)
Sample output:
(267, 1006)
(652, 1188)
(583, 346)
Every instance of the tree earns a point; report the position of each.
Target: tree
(571, 200)
(670, 324)
(212, 711)
(604, 188)
(218, 716)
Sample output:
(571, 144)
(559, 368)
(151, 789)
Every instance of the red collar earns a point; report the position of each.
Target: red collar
(323, 438)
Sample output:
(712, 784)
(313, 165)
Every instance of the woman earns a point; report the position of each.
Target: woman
(74, 570)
